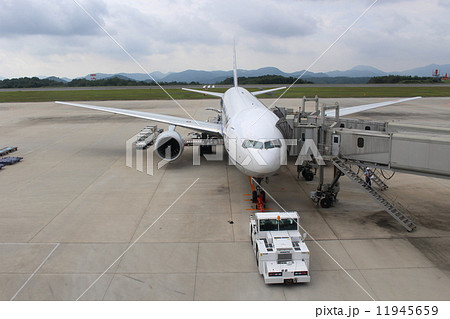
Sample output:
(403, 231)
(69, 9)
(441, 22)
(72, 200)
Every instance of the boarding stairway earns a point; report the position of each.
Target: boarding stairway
(382, 201)
(375, 178)
(382, 185)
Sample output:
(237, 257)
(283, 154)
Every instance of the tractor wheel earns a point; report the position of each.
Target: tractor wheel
(325, 202)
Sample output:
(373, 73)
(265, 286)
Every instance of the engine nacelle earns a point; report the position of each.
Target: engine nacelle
(169, 145)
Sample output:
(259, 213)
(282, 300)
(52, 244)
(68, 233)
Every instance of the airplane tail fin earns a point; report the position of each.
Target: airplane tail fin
(235, 66)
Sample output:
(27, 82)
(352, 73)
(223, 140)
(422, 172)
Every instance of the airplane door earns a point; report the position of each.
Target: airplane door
(232, 146)
(335, 145)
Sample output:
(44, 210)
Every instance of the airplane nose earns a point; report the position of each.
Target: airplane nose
(268, 162)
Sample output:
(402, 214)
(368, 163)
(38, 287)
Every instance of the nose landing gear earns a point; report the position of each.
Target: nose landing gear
(258, 194)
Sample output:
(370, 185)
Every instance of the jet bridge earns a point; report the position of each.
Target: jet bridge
(409, 149)
(412, 149)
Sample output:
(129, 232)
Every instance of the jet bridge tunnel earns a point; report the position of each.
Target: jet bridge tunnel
(405, 148)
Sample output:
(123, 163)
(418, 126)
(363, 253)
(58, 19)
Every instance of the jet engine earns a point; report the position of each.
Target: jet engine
(169, 145)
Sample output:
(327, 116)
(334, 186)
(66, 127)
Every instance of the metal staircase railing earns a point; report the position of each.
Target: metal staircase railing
(377, 180)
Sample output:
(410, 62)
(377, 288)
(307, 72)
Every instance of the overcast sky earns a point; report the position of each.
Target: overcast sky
(56, 37)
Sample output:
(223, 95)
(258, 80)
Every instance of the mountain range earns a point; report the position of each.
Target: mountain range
(212, 77)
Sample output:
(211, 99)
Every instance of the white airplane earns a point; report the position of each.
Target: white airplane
(253, 142)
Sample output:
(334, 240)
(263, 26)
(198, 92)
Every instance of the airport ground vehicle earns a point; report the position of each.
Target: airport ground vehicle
(281, 253)
(146, 136)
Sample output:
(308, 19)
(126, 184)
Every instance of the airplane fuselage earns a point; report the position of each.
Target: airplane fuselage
(253, 142)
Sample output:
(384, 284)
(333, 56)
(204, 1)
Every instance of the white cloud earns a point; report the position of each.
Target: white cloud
(57, 38)
(51, 17)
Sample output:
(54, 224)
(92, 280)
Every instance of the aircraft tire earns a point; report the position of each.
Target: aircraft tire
(254, 197)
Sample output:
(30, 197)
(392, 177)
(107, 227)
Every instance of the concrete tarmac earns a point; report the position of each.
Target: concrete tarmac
(71, 208)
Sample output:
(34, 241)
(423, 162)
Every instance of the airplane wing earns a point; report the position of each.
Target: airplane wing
(267, 91)
(217, 94)
(172, 120)
(360, 108)
(221, 94)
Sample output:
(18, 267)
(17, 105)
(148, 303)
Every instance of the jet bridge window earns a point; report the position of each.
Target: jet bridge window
(360, 142)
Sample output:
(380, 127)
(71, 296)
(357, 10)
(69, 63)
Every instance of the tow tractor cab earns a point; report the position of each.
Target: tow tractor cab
(280, 250)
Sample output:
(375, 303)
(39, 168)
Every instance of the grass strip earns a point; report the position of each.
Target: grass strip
(178, 94)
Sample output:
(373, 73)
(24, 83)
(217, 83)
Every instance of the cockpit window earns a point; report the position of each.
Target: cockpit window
(257, 145)
(272, 144)
(261, 145)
